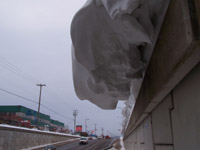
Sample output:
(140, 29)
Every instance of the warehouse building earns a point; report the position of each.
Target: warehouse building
(26, 117)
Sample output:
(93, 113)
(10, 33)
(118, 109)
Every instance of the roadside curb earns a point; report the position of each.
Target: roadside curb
(111, 144)
(109, 147)
(55, 144)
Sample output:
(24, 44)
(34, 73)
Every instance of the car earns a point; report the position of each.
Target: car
(50, 147)
(83, 140)
(107, 137)
(94, 138)
(100, 137)
(90, 138)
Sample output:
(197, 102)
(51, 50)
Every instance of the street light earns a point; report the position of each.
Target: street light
(86, 124)
(75, 113)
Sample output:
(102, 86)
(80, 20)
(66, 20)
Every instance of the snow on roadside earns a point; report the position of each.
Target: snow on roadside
(118, 145)
(122, 143)
(35, 130)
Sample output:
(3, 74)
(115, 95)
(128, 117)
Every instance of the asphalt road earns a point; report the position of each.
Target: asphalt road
(98, 144)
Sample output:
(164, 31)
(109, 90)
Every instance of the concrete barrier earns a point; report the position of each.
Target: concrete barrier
(166, 113)
(14, 138)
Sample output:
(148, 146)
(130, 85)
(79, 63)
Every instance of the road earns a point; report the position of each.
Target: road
(98, 144)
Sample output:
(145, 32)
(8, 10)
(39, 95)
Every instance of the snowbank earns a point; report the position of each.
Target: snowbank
(35, 130)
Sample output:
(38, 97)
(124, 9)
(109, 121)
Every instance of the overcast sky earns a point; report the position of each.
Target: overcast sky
(35, 37)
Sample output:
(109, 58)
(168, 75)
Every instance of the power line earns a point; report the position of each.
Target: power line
(56, 112)
(16, 73)
(18, 96)
(12, 82)
(30, 100)
(41, 105)
(59, 98)
(50, 91)
(19, 72)
(69, 122)
(9, 66)
(17, 69)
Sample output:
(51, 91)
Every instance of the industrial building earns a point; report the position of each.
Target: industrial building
(22, 116)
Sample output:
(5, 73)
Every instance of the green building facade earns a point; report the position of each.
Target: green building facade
(31, 115)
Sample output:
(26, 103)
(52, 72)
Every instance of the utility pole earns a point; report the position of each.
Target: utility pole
(86, 124)
(102, 131)
(40, 85)
(95, 129)
(75, 113)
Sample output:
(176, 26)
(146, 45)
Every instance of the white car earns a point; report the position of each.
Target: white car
(83, 140)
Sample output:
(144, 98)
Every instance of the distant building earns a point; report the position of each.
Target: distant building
(23, 116)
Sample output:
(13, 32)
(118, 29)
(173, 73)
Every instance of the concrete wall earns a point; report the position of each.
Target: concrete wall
(175, 54)
(175, 123)
(166, 115)
(15, 139)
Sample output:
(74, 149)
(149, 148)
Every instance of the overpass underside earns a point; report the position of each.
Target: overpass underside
(166, 115)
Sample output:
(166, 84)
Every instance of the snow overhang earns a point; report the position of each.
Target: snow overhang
(112, 42)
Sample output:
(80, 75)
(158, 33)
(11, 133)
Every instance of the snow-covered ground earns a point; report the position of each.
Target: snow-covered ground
(118, 145)
(35, 130)
(122, 143)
